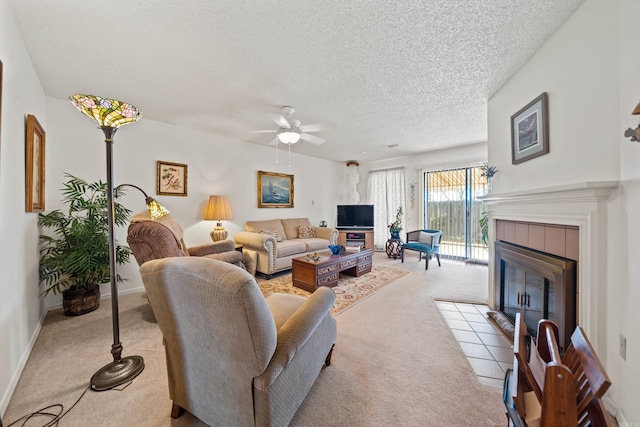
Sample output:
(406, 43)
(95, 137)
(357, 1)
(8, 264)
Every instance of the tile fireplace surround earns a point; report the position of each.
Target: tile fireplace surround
(582, 206)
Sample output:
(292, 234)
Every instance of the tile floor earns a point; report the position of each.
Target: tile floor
(489, 351)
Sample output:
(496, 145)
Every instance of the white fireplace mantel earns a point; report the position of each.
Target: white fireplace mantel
(571, 193)
(583, 205)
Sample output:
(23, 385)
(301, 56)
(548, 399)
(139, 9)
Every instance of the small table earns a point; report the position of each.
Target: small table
(310, 274)
(393, 248)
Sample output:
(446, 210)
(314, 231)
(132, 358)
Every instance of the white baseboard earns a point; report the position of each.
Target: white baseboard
(620, 418)
(103, 296)
(613, 408)
(4, 403)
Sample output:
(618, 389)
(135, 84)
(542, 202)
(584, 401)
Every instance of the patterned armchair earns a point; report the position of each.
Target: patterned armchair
(163, 238)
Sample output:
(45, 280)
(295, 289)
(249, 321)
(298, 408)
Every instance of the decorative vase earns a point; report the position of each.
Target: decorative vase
(395, 234)
(489, 184)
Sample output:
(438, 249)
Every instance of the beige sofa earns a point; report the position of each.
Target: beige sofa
(277, 241)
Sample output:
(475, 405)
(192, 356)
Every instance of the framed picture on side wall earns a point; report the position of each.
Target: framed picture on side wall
(530, 131)
(275, 190)
(171, 179)
(34, 168)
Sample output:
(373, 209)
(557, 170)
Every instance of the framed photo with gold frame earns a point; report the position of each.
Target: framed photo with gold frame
(275, 190)
(34, 170)
(171, 179)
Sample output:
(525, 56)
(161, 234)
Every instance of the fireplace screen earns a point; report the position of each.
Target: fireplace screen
(528, 293)
(537, 285)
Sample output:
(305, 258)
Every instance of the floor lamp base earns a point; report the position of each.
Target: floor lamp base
(117, 373)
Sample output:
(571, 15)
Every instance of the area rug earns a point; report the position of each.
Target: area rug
(350, 290)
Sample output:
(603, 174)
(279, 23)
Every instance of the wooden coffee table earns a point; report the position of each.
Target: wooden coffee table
(309, 275)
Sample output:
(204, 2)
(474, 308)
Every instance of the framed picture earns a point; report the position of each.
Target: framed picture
(275, 190)
(34, 168)
(171, 179)
(530, 131)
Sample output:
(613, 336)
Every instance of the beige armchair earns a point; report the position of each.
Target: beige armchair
(234, 357)
(163, 238)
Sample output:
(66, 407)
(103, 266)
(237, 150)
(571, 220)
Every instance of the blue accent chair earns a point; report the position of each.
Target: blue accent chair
(425, 242)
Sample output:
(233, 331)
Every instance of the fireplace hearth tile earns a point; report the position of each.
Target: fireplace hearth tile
(494, 340)
(466, 336)
(462, 325)
(486, 361)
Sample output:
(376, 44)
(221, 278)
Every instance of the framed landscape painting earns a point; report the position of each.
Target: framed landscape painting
(530, 131)
(171, 179)
(34, 168)
(275, 190)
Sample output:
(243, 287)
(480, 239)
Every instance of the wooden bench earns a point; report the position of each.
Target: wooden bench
(548, 389)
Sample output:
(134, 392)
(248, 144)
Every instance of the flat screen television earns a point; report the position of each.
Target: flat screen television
(355, 216)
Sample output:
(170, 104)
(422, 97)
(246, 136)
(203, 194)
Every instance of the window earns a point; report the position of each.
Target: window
(452, 206)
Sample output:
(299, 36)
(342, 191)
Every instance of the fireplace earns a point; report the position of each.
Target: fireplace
(536, 284)
(582, 206)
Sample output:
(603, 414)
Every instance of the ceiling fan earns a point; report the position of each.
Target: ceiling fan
(291, 131)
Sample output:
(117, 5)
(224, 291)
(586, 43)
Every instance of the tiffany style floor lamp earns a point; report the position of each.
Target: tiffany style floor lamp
(110, 115)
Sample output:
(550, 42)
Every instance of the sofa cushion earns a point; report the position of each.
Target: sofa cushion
(275, 233)
(291, 225)
(315, 244)
(291, 247)
(271, 224)
(306, 231)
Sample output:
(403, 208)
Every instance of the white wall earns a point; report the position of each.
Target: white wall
(625, 245)
(20, 307)
(215, 165)
(590, 73)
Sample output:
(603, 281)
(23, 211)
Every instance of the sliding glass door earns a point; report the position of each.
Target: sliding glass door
(452, 206)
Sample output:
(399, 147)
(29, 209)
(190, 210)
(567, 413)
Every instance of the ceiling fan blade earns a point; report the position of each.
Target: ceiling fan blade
(312, 138)
(275, 141)
(264, 131)
(316, 127)
(280, 120)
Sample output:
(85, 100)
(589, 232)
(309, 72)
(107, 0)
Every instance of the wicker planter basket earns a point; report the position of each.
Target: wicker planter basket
(80, 301)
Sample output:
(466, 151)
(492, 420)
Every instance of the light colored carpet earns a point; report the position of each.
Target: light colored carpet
(349, 291)
(396, 363)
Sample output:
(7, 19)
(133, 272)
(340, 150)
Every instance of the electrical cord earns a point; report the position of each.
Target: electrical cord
(55, 417)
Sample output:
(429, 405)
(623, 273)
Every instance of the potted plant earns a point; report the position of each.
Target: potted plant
(489, 172)
(396, 226)
(74, 260)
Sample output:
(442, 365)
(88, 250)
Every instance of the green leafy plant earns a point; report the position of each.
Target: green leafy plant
(397, 224)
(484, 227)
(76, 255)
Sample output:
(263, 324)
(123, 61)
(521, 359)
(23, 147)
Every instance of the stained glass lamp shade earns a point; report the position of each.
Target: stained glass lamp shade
(107, 112)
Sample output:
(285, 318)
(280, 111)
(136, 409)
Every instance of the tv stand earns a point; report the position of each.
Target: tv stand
(356, 237)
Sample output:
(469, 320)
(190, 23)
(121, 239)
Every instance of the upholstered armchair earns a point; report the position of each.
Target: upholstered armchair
(234, 357)
(163, 238)
(425, 242)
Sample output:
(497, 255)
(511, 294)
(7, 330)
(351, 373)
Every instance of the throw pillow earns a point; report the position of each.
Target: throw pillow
(306, 231)
(274, 233)
(425, 237)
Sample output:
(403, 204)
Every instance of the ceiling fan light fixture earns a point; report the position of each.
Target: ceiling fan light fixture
(289, 136)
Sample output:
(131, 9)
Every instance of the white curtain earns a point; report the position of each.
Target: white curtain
(386, 191)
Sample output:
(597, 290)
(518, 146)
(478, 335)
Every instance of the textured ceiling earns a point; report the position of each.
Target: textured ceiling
(413, 73)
